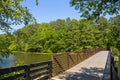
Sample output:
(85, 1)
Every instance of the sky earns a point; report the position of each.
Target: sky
(49, 10)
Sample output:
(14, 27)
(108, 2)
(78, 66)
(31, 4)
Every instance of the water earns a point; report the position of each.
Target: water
(21, 59)
(7, 62)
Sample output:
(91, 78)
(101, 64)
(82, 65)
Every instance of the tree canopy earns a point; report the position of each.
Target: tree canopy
(64, 35)
(13, 13)
(93, 9)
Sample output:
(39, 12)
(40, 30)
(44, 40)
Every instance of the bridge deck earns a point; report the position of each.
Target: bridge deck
(90, 69)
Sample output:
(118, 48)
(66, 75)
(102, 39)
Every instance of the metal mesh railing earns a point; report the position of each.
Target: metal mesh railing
(64, 61)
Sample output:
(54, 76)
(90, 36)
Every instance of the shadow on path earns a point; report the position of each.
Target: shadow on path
(83, 74)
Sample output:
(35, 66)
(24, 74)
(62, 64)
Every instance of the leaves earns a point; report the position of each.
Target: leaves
(93, 9)
(13, 13)
(64, 36)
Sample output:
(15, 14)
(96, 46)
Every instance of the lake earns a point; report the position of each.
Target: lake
(23, 58)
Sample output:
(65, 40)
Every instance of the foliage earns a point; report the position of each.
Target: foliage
(64, 36)
(5, 41)
(116, 51)
(13, 13)
(93, 9)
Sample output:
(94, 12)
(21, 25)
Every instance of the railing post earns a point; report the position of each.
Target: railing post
(108, 46)
(77, 58)
(53, 70)
(50, 69)
(27, 72)
(68, 60)
(110, 66)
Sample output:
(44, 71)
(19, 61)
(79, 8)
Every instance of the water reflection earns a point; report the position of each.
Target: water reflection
(21, 59)
(7, 61)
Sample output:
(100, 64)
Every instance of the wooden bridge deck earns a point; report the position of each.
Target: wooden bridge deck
(92, 68)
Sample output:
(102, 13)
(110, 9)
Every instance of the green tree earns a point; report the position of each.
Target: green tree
(104, 28)
(22, 37)
(5, 42)
(87, 33)
(65, 36)
(13, 13)
(92, 9)
(115, 31)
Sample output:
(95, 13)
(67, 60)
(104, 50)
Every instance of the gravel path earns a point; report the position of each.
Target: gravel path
(90, 69)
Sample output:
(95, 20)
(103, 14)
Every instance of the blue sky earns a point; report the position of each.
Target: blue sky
(49, 10)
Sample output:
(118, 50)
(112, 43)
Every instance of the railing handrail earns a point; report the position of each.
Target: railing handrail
(109, 72)
(41, 70)
(67, 60)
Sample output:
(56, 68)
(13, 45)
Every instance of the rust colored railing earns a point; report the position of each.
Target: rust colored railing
(64, 61)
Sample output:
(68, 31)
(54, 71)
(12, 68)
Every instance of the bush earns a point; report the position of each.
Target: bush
(116, 51)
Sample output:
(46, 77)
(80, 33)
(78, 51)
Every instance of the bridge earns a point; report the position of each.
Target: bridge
(95, 64)
(93, 68)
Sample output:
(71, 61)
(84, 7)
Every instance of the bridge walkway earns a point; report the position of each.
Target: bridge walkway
(92, 68)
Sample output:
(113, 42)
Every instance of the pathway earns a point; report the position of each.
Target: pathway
(90, 69)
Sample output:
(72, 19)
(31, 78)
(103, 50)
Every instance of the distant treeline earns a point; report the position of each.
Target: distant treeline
(64, 36)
